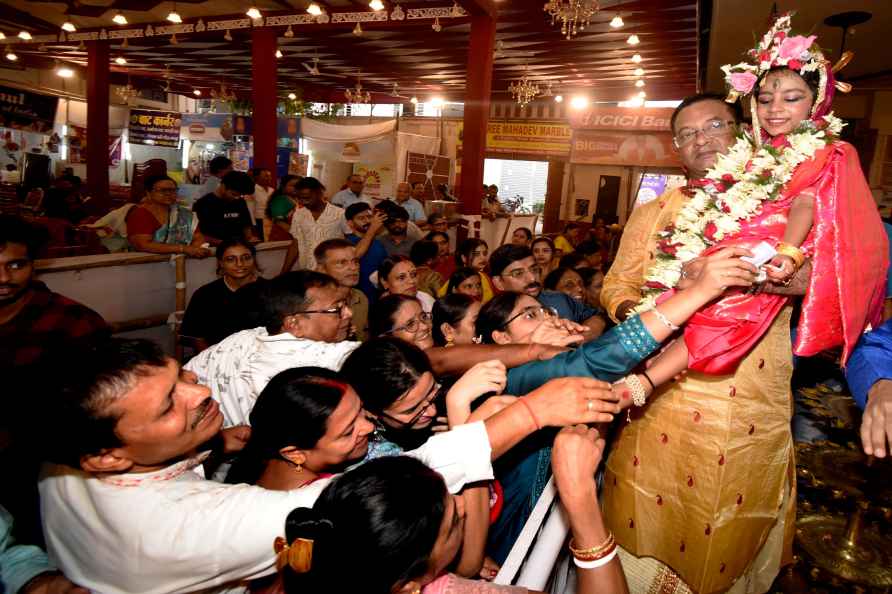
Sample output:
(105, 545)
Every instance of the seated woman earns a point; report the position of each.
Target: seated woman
(424, 254)
(161, 226)
(281, 207)
(411, 537)
(474, 253)
(397, 275)
(466, 281)
(445, 262)
(544, 255)
(215, 310)
(454, 317)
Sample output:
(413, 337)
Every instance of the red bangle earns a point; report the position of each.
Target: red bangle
(530, 410)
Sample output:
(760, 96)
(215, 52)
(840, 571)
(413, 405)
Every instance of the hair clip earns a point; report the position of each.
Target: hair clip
(298, 555)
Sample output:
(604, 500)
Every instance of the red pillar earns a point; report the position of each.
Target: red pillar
(477, 98)
(265, 97)
(97, 125)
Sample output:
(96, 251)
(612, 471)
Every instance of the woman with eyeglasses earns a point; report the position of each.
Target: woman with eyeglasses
(397, 275)
(213, 311)
(159, 225)
(517, 318)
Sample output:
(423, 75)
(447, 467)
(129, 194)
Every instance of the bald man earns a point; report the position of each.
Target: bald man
(413, 207)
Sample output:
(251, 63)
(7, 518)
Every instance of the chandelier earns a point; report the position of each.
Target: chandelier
(574, 15)
(357, 94)
(128, 92)
(224, 95)
(524, 90)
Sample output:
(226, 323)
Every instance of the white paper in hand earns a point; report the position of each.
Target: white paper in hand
(762, 254)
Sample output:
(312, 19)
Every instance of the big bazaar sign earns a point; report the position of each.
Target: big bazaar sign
(623, 136)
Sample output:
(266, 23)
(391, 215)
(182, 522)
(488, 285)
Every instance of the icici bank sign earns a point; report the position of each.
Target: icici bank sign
(650, 119)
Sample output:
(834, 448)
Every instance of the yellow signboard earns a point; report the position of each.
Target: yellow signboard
(537, 138)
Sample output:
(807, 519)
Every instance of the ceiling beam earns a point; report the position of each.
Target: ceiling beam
(480, 7)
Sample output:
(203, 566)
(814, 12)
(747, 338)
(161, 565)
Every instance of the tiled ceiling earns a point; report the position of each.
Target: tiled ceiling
(408, 53)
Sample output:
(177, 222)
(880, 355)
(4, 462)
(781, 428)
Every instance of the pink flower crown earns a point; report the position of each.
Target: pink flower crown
(777, 48)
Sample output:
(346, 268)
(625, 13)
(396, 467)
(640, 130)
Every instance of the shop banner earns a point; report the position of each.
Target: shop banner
(535, 138)
(155, 128)
(618, 148)
(378, 180)
(622, 118)
(210, 127)
(31, 112)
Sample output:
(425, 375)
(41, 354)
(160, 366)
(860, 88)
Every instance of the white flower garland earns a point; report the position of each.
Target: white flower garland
(733, 191)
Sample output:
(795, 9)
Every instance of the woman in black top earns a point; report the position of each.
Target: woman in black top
(223, 307)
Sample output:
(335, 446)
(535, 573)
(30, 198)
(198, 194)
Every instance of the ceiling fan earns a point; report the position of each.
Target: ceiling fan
(314, 69)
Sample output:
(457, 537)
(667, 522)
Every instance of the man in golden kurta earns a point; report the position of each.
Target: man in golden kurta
(698, 488)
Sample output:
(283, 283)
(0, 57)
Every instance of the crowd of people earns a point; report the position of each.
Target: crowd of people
(382, 414)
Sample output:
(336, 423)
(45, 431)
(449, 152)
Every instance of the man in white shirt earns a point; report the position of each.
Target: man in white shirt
(307, 322)
(125, 507)
(317, 221)
(263, 190)
(352, 193)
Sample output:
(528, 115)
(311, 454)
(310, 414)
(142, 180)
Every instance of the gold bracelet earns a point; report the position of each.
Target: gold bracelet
(594, 552)
(792, 252)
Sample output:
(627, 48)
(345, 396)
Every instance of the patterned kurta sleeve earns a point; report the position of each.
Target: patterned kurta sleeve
(624, 279)
(608, 358)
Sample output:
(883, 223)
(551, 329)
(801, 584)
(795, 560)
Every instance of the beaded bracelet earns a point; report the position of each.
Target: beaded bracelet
(664, 320)
(597, 562)
(639, 394)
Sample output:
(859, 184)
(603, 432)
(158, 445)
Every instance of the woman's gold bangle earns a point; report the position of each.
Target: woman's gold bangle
(594, 552)
(792, 252)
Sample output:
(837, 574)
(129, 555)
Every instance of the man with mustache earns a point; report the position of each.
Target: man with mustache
(365, 225)
(337, 258)
(513, 269)
(33, 320)
(124, 503)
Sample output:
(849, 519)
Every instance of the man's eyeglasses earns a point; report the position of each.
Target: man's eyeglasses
(413, 325)
(521, 272)
(420, 408)
(711, 130)
(337, 310)
(533, 313)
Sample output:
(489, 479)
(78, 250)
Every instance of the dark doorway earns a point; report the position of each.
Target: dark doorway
(608, 196)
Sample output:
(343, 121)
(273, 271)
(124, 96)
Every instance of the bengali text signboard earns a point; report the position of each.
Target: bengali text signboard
(155, 128)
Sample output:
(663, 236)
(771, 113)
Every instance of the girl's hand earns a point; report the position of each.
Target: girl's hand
(781, 269)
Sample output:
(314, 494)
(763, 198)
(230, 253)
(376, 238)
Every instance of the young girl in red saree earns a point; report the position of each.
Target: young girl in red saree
(801, 191)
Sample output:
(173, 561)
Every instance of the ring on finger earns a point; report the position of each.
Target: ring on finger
(590, 405)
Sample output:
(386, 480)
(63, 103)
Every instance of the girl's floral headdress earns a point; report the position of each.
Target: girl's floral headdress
(777, 48)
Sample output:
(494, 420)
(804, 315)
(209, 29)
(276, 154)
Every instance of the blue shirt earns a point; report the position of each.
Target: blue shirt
(870, 362)
(368, 264)
(888, 229)
(345, 198)
(414, 208)
(567, 307)
(19, 564)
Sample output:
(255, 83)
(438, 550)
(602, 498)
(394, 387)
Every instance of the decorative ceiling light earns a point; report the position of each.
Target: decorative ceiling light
(314, 9)
(633, 40)
(24, 35)
(357, 30)
(119, 19)
(413, 100)
(174, 16)
(437, 27)
(289, 32)
(224, 95)
(2, 35)
(639, 83)
(227, 36)
(617, 22)
(254, 13)
(639, 72)
(579, 102)
(197, 92)
(524, 90)
(279, 53)
(69, 26)
(457, 10)
(292, 96)
(173, 39)
(642, 94)
(636, 58)
(357, 94)
(120, 61)
(574, 15)
(376, 5)
(10, 55)
(127, 92)
(395, 91)
(558, 98)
